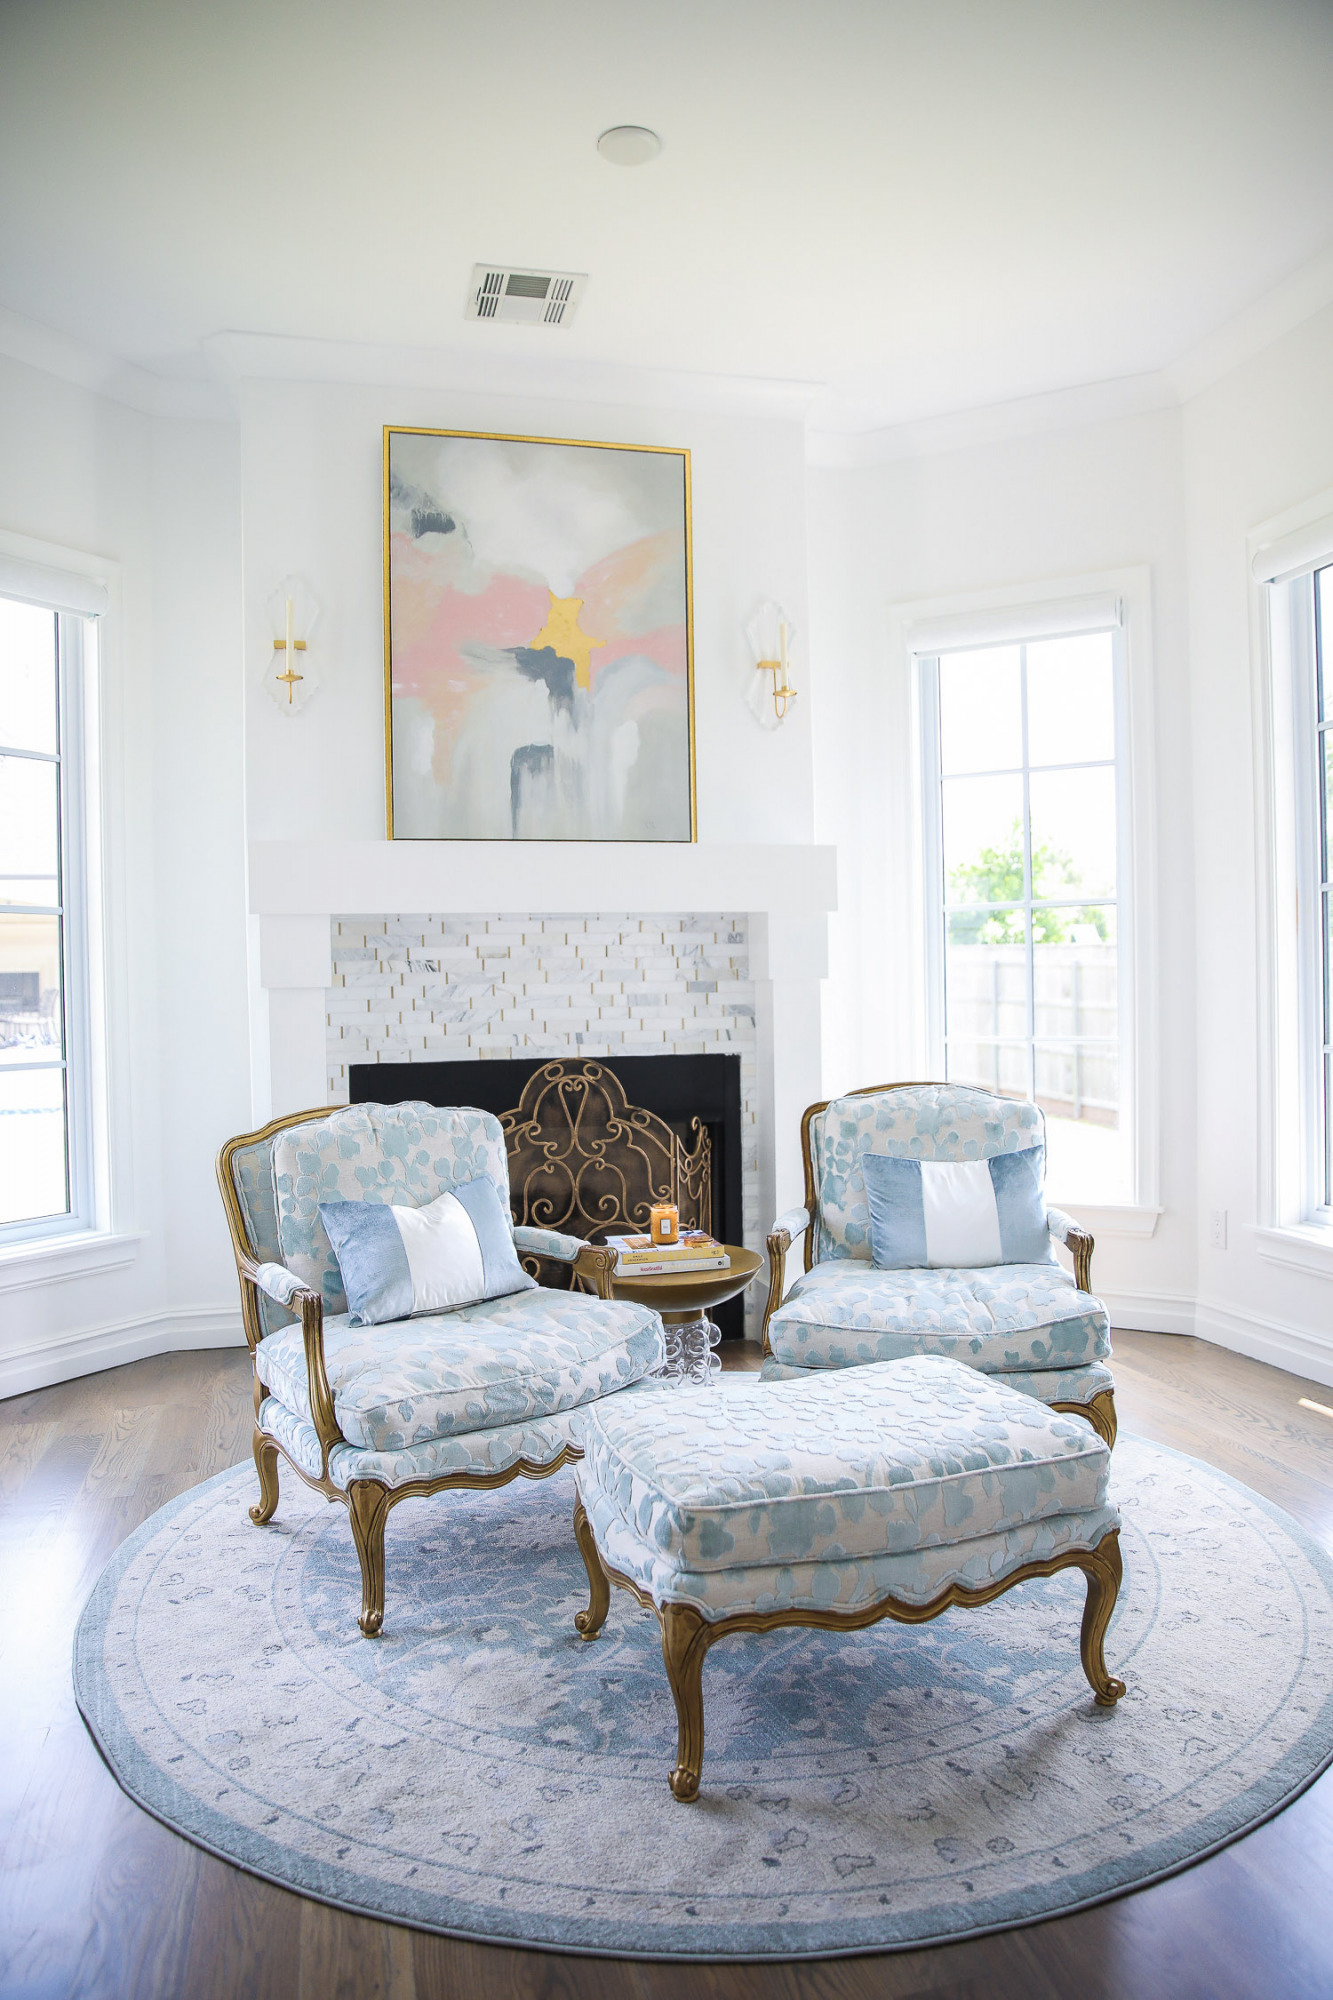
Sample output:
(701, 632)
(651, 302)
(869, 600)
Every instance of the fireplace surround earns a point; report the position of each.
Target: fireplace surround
(300, 894)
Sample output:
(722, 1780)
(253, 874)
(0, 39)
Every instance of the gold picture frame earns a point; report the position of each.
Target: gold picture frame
(453, 689)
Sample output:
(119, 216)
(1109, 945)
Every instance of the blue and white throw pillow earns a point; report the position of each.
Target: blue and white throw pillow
(958, 1214)
(455, 1251)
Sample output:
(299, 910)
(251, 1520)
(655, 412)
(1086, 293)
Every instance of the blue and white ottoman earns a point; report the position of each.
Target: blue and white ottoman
(890, 1491)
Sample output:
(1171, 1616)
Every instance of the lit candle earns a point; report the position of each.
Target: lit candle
(291, 658)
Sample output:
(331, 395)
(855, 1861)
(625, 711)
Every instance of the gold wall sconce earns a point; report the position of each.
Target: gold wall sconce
(290, 673)
(770, 633)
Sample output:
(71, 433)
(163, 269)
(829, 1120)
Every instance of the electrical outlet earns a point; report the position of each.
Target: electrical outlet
(1217, 1228)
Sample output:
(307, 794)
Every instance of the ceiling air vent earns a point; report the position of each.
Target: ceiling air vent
(525, 298)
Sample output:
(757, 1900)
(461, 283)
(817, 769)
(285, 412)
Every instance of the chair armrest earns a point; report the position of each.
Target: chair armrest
(593, 1262)
(1077, 1241)
(595, 1266)
(789, 1224)
(282, 1285)
(277, 1282)
(547, 1243)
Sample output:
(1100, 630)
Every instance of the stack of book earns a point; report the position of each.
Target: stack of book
(640, 1257)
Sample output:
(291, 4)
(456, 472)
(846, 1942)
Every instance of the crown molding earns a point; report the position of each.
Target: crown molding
(70, 360)
(236, 357)
(993, 423)
(1260, 325)
(1268, 319)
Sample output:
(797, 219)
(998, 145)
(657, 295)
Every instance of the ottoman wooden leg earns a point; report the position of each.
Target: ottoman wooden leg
(590, 1622)
(686, 1637)
(1103, 1569)
(266, 1465)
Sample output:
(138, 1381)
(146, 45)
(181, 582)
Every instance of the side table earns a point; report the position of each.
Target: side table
(683, 1299)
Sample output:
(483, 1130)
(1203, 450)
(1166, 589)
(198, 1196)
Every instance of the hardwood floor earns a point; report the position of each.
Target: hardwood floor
(97, 1899)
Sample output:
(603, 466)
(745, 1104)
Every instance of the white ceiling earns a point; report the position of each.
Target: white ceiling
(923, 205)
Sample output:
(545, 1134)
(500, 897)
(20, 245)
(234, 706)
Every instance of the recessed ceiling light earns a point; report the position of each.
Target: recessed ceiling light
(629, 145)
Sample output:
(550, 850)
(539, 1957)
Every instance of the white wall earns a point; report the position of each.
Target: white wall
(312, 482)
(161, 499)
(1103, 497)
(1255, 444)
(205, 518)
(312, 485)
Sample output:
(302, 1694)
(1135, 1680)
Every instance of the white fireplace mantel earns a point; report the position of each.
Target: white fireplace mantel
(787, 892)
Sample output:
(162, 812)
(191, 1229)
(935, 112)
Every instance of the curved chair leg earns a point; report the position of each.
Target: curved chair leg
(368, 1505)
(1103, 1569)
(590, 1622)
(266, 1465)
(1099, 1412)
(686, 1637)
(1101, 1415)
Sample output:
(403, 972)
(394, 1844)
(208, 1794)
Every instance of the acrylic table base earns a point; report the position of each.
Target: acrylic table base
(689, 1349)
(687, 1634)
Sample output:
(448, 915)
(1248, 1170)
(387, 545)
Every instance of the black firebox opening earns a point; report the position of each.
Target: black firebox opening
(677, 1088)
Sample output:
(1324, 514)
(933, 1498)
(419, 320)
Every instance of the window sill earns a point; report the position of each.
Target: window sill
(47, 1260)
(1305, 1246)
(1110, 1219)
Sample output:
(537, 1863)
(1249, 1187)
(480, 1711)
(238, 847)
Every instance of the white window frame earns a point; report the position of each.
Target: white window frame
(97, 1235)
(1295, 1225)
(75, 641)
(926, 628)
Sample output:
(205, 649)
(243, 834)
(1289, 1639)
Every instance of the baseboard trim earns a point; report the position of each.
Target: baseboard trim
(45, 1362)
(1285, 1347)
(1150, 1312)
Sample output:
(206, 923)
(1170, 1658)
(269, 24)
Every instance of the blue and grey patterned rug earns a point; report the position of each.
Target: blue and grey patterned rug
(481, 1771)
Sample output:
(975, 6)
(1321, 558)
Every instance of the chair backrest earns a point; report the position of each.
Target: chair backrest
(245, 1171)
(918, 1121)
(403, 1154)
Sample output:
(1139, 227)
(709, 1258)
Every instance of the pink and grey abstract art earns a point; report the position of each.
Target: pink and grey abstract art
(538, 639)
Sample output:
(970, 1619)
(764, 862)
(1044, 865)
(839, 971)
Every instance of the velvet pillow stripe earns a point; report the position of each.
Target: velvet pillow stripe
(396, 1260)
(957, 1215)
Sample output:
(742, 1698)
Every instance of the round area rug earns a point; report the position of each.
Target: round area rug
(482, 1771)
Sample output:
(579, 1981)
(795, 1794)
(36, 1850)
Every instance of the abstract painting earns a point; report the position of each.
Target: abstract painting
(538, 664)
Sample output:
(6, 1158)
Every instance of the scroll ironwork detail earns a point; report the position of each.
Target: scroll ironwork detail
(584, 1160)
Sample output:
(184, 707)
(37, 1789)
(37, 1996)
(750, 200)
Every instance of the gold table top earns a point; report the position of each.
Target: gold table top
(686, 1295)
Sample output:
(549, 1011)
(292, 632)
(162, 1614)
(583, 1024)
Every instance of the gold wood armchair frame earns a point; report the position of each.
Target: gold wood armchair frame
(1100, 1412)
(367, 1500)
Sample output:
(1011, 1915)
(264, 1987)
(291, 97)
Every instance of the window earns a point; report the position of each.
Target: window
(44, 1123)
(1025, 819)
(1310, 626)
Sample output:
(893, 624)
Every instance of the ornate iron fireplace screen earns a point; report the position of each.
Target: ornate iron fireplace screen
(583, 1159)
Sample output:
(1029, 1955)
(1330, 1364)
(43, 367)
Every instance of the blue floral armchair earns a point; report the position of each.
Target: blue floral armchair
(1031, 1325)
(373, 1415)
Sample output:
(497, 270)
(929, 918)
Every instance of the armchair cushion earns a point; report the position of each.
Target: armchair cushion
(946, 1214)
(404, 1154)
(509, 1360)
(396, 1261)
(1006, 1318)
